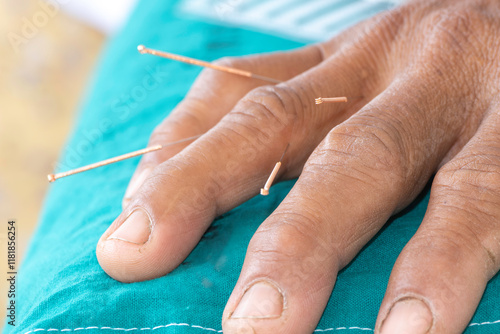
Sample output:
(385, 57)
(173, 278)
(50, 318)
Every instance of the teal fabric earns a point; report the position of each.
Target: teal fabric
(61, 286)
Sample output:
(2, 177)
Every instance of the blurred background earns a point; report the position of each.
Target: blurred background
(48, 50)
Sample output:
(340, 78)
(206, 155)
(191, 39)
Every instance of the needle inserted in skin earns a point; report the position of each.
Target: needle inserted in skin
(142, 49)
(53, 177)
(265, 191)
(320, 100)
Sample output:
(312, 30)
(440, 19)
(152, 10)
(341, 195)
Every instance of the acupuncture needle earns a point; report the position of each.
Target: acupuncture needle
(265, 191)
(143, 50)
(321, 100)
(53, 177)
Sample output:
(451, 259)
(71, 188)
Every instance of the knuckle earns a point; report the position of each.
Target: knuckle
(460, 244)
(292, 237)
(390, 21)
(464, 243)
(368, 45)
(453, 34)
(447, 34)
(451, 26)
(278, 103)
(479, 172)
(469, 186)
(456, 40)
(468, 193)
(369, 153)
(298, 258)
(264, 113)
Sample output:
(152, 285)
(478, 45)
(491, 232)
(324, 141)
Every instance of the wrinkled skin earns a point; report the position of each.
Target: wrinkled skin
(423, 81)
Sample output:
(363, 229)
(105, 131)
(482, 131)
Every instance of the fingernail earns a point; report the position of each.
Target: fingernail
(409, 316)
(136, 183)
(263, 300)
(135, 229)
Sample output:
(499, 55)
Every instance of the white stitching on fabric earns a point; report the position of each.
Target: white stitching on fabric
(485, 323)
(214, 330)
(123, 329)
(344, 328)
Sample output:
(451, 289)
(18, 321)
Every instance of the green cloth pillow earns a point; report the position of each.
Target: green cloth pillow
(61, 286)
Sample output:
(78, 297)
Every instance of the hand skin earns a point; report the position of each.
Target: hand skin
(427, 77)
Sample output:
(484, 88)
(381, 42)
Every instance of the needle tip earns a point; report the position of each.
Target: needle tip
(264, 192)
(141, 48)
(51, 177)
(319, 100)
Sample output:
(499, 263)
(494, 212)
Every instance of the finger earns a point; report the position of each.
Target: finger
(228, 165)
(213, 95)
(439, 278)
(365, 170)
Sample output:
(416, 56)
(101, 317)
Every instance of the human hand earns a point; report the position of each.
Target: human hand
(427, 74)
